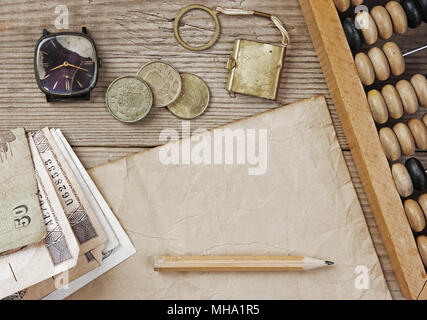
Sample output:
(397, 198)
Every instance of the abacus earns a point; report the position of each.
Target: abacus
(375, 94)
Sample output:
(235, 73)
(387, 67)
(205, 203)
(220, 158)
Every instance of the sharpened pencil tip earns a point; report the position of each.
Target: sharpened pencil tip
(329, 263)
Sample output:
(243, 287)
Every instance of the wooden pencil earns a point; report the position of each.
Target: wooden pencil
(237, 263)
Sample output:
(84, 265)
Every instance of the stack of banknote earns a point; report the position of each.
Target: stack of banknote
(57, 232)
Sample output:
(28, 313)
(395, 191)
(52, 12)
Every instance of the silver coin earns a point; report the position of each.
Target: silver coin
(129, 99)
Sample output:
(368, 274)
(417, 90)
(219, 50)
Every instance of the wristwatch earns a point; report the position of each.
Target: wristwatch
(66, 65)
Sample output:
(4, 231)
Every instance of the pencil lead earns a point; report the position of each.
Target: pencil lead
(329, 263)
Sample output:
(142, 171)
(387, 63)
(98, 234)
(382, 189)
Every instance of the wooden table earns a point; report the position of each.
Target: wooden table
(129, 33)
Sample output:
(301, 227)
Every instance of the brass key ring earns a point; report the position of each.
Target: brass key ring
(212, 12)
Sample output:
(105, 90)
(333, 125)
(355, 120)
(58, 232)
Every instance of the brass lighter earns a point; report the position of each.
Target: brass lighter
(255, 68)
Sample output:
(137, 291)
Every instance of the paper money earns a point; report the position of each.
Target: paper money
(117, 256)
(88, 260)
(82, 219)
(60, 239)
(78, 171)
(55, 239)
(44, 288)
(21, 221)
(123, 251)
(57, 253)
(54, 159)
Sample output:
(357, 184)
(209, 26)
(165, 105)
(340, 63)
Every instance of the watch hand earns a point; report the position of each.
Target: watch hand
(67, 64)
(71, 65)
(60, 66)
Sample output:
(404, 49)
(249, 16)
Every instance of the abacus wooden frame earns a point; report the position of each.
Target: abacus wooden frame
(353, 110)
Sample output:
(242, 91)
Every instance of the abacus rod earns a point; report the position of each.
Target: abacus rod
(415, 50)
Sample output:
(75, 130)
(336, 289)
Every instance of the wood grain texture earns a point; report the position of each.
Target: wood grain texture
(129, 33)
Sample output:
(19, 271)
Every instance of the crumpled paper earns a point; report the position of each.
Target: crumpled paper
(304, 204)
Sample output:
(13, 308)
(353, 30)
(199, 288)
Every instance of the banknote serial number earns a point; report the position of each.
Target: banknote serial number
(20, 216)
(58, 182)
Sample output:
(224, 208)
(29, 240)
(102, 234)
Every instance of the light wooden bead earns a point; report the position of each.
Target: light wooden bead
(380, 63)
(365, 68)
(356, 2)
(406, 140)
(383, 21)
(425, 119)
(342, 5)
(422, 248)
(368, 27)
(398, 17)
(393, 101)
(419, 132)
(390, 144)
(408, 96)
(419, 82)
(422, 201)
(402, 180)
(395, 58)
(415, 215)
(378, 106)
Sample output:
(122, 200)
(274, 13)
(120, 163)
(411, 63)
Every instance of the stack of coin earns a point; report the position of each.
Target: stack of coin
(157, 84)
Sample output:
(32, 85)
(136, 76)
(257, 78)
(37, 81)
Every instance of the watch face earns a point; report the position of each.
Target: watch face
(66, 64)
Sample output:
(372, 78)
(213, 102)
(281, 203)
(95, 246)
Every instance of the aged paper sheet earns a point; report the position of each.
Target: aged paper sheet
(21, 221)
(303, 203)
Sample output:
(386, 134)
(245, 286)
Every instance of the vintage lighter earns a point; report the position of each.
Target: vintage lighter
(255, 68)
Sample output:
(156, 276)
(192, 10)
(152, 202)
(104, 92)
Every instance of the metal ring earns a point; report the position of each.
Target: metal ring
(182, 12)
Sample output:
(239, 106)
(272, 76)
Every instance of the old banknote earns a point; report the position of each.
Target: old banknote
(44, 288)
(60, 239)
(21, 221)
(78, 171)
(120, 246)
(80, 214)
(124, 250)
(57, 253)
(88, 266)
(88, 259)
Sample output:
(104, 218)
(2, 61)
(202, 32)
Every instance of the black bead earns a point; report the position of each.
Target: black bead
(354, 36)
(413, 12)
(422, 5)
(417, 173)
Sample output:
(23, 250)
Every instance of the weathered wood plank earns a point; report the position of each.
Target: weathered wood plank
(130, 33)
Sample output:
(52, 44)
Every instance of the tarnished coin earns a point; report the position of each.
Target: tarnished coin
(129, 99)
(164, 81)
(193, 99)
